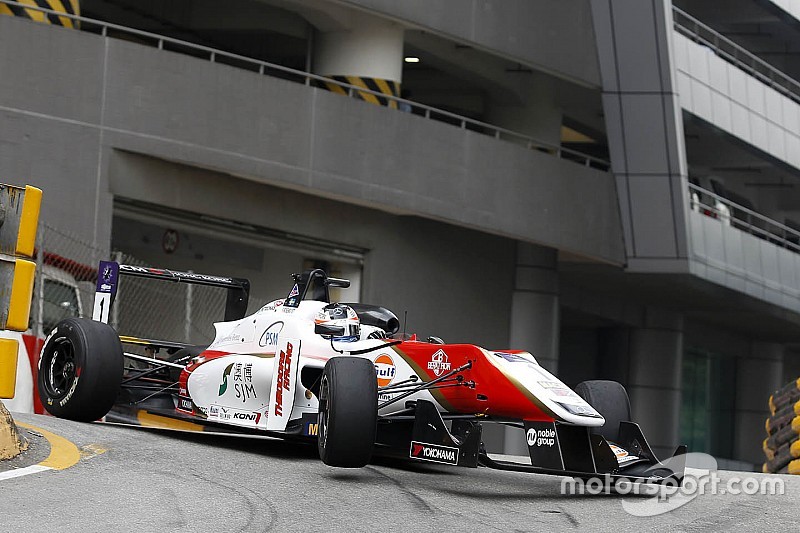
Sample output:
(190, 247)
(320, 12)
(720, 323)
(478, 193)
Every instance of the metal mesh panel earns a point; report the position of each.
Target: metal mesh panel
(147, 308)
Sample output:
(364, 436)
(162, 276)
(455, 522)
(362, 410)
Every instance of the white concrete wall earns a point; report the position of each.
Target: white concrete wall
(742, 262)
(792, 7)
(729, 98)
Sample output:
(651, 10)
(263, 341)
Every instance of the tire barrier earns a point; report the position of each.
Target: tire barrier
(388, 87)
(782, 445)
(70, 7)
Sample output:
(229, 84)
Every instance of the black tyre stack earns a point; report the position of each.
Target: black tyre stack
(782, 445)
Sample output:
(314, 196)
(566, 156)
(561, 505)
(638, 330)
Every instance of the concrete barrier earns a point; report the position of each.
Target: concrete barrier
(11, 443)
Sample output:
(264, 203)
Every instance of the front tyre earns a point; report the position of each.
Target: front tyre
(348, 412)
(80, 370)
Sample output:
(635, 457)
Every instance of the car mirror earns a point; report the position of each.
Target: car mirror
(333, 331)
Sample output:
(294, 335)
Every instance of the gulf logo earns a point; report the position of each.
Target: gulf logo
(384, 369)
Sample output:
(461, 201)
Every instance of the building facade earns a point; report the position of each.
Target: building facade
(609, 184)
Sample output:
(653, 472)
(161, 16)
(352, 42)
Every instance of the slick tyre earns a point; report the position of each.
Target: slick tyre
(348, 412)
(610, 399)
(80, 370)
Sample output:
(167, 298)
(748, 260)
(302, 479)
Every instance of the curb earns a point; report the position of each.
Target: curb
(11, 443)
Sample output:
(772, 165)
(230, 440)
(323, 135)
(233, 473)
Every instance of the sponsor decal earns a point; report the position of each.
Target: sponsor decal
(185, 404)
(174, 273)
(541, 437)
(282, 379)
(242, 378)
(434, 453)
(384, 369)
(513, 357)
(231, 338)
(71, 390)
(247, 417)
(107, 279)
(622, 455)
(439, 363)
(270, 336)
(272, 306)
(293, 300)
(312, 429)
(224, 385)
(551, 384)
(217, 412)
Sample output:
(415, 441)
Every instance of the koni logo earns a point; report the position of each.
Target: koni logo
(434, 453)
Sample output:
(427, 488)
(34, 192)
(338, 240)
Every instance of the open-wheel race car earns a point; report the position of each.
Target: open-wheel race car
(304, 367)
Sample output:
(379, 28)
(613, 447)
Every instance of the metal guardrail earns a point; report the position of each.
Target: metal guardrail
(698, 32)
(107, 29)
(743, 218)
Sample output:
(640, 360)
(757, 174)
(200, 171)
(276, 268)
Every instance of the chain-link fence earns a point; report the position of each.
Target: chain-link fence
(147, 308)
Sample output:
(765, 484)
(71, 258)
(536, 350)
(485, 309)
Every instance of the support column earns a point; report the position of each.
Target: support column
(645, 130)
(534, 318)
(654, 379)
(757, 377)
(70, 7)
(367, 53)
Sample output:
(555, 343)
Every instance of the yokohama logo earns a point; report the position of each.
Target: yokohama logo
(434, 453)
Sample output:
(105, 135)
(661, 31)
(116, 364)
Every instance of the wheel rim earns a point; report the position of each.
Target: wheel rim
(323, 412)
(60, 369)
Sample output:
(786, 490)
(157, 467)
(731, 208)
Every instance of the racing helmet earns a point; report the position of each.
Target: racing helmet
(340, 316)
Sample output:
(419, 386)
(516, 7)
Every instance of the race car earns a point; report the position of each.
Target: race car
(342, 374)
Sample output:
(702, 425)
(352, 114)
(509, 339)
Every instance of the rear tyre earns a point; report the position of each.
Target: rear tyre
(80, 370)
(610, 399)
(348, 412)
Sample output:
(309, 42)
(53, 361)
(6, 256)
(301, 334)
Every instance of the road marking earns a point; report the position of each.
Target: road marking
(156, 421)
(63, 454)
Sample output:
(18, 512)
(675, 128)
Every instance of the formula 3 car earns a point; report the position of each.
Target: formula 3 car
(340, 374)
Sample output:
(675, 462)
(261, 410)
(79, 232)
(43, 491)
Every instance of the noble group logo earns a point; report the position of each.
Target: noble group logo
(541, 437)
(384, 369)
(434, 453)
(439, 363)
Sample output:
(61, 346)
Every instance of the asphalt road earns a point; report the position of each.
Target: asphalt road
(137, 479)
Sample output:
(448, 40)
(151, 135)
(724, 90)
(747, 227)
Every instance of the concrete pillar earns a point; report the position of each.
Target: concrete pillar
(654, 378)
(757, 377)
(645, 130)
(366, 52)
(534, 318)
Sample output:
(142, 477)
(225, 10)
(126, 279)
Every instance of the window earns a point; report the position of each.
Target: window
(708, 402)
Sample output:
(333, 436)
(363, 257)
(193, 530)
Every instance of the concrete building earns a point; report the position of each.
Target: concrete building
(613, 185)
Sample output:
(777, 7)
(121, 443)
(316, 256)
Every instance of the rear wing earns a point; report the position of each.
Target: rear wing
(109, 272)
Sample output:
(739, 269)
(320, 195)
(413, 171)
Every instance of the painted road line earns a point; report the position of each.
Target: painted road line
(63, 454)
(19, 472)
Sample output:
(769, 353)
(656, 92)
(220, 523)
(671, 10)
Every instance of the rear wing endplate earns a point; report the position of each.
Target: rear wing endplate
(109, 272)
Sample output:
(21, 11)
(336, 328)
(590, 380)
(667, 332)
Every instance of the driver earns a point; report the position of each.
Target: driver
(340, 316)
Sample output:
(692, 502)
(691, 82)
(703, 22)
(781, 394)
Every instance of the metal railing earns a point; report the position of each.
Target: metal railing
(743, 218)
(698, 32)
(107, 29)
